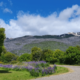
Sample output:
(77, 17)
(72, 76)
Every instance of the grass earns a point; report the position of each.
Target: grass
(15, 75)
(61, 70)
(24, 75)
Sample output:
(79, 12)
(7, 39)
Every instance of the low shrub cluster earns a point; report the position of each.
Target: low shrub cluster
(8, 57)
(25, 57)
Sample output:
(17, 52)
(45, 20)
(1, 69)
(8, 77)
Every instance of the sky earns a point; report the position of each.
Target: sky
(39, 17)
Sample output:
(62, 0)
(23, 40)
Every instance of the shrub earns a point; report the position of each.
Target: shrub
(59, 56)
(25, 57)
(34, 73)
(13, 62)
(3, 50)
(36, 53)
(72, 55)
(7, 57)
(47, 55)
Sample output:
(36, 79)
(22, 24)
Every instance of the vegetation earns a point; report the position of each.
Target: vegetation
(73, 55)
(36, 53)
(24, 75)
(70, 56)
(55, 36)
(58, 56)
(8, 57)
(47, 55)
(25, 57)
(2, 37)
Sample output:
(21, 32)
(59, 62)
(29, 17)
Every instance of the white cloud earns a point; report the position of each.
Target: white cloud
(1, 3)
(6, 10)
(27, 24)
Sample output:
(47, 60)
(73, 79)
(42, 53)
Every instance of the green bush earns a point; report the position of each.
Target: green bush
(7, 57)
(34, 73)
(13, 62)
(3, 50)
(36, 53)
(72, 55)
(25, 57)
(47, 55)
(59, 56)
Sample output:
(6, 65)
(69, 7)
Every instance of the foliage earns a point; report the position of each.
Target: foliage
(13, 62)
(59, 56)
(3, 50)
(2, 37)
(47, 55)
(36, 53)
(72, 55)
(25, 57)
(34, 72)
(7, 57)
(23, 75)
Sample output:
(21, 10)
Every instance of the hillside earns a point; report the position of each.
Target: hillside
(24, 44)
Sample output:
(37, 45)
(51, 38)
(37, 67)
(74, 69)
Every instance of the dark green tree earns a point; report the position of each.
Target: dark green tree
(36, 53)
(73, 55)
(59, 56)
(2, 37)
(47, 55)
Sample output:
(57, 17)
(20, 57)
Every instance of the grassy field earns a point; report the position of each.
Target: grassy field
(24, 75)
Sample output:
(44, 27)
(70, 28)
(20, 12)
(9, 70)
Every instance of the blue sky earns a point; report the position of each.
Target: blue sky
(39, 17)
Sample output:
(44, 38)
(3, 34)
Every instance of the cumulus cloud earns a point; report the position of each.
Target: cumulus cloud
(68, 20)
(6, 10)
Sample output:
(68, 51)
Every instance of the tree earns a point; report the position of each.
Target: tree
(25, 57)
(59, 56)
(73, 55)
(2, 37)
(47, 55)
(36, 53)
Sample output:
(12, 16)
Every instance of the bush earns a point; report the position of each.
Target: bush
(3, 50)
(13, 62)
(25, 57)
(47, 55)
(36, 53)
(7, 57)
(34, 73)
(72, 55)
(59, 56)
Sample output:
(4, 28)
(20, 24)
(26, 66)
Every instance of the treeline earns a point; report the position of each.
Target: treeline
(70, 56)
(55, 36)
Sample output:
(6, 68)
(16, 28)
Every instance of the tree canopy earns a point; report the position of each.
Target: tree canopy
(2, 37)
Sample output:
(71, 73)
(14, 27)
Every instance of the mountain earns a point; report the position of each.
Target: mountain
(24, 44)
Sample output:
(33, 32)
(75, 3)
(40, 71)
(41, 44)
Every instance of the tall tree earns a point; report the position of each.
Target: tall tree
(2, 37)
